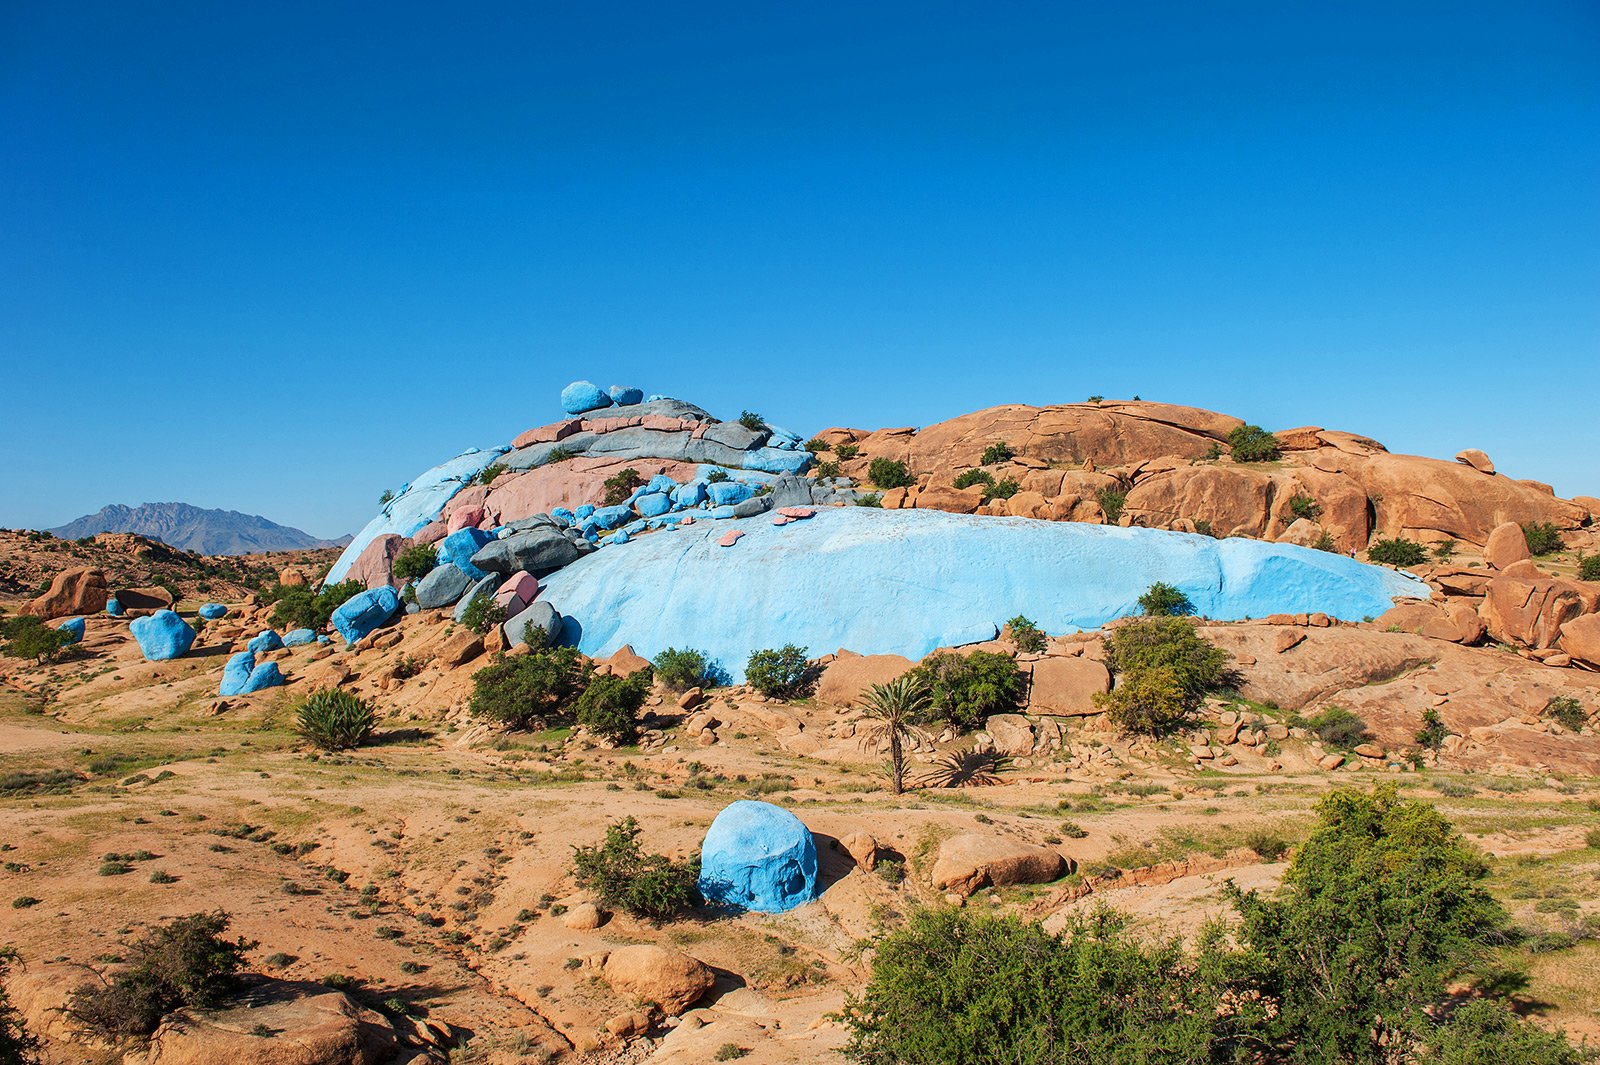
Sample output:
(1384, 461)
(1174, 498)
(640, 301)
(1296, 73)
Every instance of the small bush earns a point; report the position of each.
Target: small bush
(1163, 668)
(1338, 728)
(1004, 488)
(752, 421)
(30, 637)
(817, 446)
(23, 902)
(997, 452)
(730, 1052)
(1303, 506)
(968, 478)
(18, 1046)
(161, 876)
(1588, 567)
(483, 614)
(385, 497)
(618, 487)
(1397, 552)
(683, 668)
(528, 691)
(871, 499)
(965, 689)
(335, 720)
(1567, 712)
(114, 868)
(889, 473)
(716, 476)
(415, 562)
(1325, 542)
(1487, 1032)
(1251, 443)
(780, 674)
(558, 454)
(1027, 636)
(1164, 601)
(1543, 538)
(846, 452)
(623, 877)
(185, 962)
(487, 475)
(1266, 843)
(1444, 550)
(1433, 732)
(1111, 501)
(298, 607)
(826, 471)
(610, 705)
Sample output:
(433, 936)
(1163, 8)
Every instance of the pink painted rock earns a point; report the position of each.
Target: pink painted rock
(466, 517)
(782, 519)
(572, 483)
(797, 513)
(549, 434)
(519, 590)
(375, 565)
(689, 520)
(730, 537)
(431, 533)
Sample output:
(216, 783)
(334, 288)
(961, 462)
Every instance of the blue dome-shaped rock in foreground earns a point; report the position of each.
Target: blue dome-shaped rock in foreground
(909, 581)
(758, 856)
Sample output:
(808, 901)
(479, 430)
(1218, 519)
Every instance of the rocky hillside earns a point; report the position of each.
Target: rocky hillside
(189, 528)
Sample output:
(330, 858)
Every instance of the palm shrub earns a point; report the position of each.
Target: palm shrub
(185, 962)
(610, 705)
(623, 877)
(1162, 600)
(1251, 443)
(965, 689)
(784, 673)
(889, 473)
(1164, 668)
(1397, 552)
(335, 720)
(531, 690)
(895, 712)
(415, 562)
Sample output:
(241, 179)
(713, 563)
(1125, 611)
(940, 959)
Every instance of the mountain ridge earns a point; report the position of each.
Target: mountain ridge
(192, 528)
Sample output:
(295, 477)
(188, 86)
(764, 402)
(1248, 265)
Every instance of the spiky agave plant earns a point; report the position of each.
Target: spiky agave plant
(895, 711)
(335, 720)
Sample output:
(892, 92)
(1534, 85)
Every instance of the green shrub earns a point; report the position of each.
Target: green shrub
(298, 607)
(1433, 732)
(683, 668)
(183, 963)
(1097, 400)
(752, 421)
(531, 690)
(1162, 600)
(1489, 1033)
(415, 562)
(730, 1052)
(1251, 443)
(963, 689)
(618, 487)
(1543, 538)
(997, 452)
(889, 473)
(968, 478)
(558, 454)
(846, 452)
(623, 877)
(30, 637)
(483, 614)
(1588, 567)
(716, 476)
(1325, 542)
(817, 446)
(1004, 488)
(871, 499)
(953, 986)
(487, 475)
(781, 674)
(18, 1046)
(334, 719)
(1591, 839)
(1567, 712)
(1111, 501)
(1444, 550)
(1027, 636)
(1397, 552)
(826, 471)
(610, 705)
(1303, 506)
(385, 497)
(1164, 668)
(1338, 728)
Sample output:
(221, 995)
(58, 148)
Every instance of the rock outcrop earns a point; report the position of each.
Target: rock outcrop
(668, 978)
(973, 860)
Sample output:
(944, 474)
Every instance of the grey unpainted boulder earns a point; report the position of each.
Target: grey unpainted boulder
(539, 550)
(790, 491)
(486, 587)
(540, 615)
(442, 586)
(735, 435)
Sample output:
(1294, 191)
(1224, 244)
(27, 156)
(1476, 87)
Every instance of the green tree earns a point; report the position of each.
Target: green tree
(1028, 637)
(1543, 538)
(784, 673)
(531, 690)
(889, 473)
(966, 688)
(30, 637)
(1164, 668)
(610, 705)
(894, 713)
(623, 877)
(1433, 733)
(1251, 443)
(619, 486)
(1397, 552)
(1378, 909)
(415, 562)
(1163, 600)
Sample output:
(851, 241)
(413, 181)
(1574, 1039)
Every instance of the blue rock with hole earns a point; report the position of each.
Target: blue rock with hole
(360, 614)
(264, 641)
(760, 857)
(581, 397)
(213, 611)
(162, 635)
(73, 627)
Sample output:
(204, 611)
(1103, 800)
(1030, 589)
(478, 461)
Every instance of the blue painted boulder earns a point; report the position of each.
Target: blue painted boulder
(726, 493)
(299, 637)
(582, 396)
(162, 635)
(264, 676)
(653, 504)
(264, 641)
(213, 611)
(458, 548)
(626, 397)
(114, 607)
(73, 627)
(760, 857)
(236, 674)
(689, 495)
(360, 614)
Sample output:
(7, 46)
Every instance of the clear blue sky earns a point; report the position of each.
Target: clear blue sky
(277, 257)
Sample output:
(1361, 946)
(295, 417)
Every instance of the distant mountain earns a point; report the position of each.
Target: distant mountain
(210, 532)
